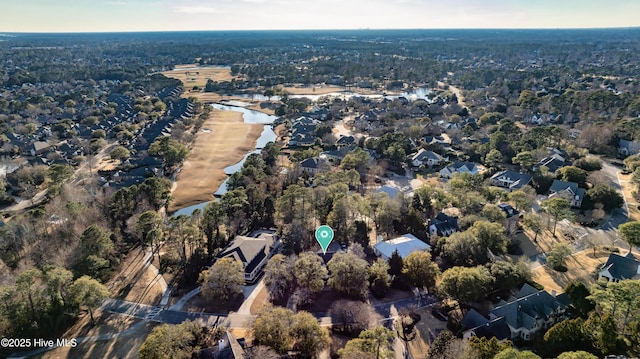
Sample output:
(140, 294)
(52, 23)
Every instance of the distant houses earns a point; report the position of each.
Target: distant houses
(303, 132)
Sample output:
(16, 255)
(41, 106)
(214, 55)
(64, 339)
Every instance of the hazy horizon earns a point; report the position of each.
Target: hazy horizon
(73, 16)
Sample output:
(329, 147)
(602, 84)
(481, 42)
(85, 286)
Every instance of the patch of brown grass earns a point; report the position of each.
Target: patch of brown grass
(580, 266)
(227, 141)
(106, 323)
(260, 301)
(133, 283)
(192, 75)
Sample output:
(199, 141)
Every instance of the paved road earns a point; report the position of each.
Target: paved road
(237, 320)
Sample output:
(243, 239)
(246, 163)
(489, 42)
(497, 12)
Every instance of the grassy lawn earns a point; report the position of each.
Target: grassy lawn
(580, 266)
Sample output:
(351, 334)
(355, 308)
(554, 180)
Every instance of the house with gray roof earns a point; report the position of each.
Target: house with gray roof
(443, 225)
(426, 158)
(314, 165)
(527, 314)
(567, 190)
(554, 161)
(459, 167)
(510, 180)
(620, 268)
(628, 148)
(345, 141)
(252, 251)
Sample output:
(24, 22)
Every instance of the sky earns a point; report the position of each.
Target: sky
(172, 15)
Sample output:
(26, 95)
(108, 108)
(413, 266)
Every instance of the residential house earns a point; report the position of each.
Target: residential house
(405, 245)
(525, 315)
(459, 167)
(346, 141)
(443, 225)
(228, 347)
(628, 148)
(37, 148)
(554, 161)
(510, 180)
(252, 251)
(513, 216)
(620, 268)
(336, 156)
(442, 140)
(567, 190)
(426, 158)
(303, 132)
(314, 165)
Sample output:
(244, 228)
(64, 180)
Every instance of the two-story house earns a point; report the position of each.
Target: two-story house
(443, 225)
(527, 314)
(567, 190)
(252, 251)
(510, 180)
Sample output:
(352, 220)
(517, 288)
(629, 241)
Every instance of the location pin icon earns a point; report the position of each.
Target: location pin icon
(324, 236)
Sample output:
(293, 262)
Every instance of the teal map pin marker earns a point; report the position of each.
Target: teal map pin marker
(324, 236)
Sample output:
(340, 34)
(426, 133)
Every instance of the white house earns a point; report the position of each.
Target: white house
(459, 167)
(426, 158)
(510, 180)
(405, 245)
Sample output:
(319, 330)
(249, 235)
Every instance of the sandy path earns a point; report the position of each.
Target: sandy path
(228, 140)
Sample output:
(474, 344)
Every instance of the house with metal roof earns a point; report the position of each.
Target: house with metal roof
(405, 245)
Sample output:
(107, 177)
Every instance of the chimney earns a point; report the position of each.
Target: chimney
(221, 344)
(379, 238)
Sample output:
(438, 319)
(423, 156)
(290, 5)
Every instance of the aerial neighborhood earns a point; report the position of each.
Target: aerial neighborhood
(335, 195)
